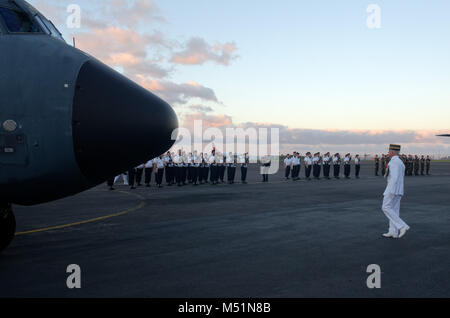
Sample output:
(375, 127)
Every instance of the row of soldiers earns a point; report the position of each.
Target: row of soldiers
(317, 163)
(183, 168)
(413, 164)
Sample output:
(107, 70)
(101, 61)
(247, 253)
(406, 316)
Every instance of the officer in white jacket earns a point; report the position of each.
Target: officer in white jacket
(393, 194)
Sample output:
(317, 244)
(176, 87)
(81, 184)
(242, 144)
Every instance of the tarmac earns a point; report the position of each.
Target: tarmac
(271, 240)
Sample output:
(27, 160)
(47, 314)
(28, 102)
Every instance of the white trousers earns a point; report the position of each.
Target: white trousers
(391, 208)
(124, 176)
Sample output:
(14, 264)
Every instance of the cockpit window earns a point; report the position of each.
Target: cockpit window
(18, 22)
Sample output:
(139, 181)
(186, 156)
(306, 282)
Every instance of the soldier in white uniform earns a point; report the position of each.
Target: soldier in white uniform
(288, 166)
(159, 170)
(393, 194)
(213, 167)
(178, 166)
(295, 161)
(308, 165)
(336, 165)
(316, 166)
(347, 166)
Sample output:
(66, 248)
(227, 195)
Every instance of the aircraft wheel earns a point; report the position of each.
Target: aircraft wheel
(7, 225)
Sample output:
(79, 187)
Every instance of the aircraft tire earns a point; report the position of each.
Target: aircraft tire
(7, 226)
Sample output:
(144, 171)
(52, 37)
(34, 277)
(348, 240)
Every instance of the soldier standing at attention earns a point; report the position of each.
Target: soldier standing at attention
(206, 167)
(308, 165)
(168, 168)
(177, 165)
(336, 165)
(148, 170)
(213, 168)
(422, 165)
(357, 166)
(231, 168)
(428, 164)
(220, 167)
(316, 166)
(347, 165)
(383, 164)
(393, 195)
(295, 163)
(326, 165)
(377, 165)
(265, 166)
(244, 168)
(416, 165)
(288, 166)
(159, 170)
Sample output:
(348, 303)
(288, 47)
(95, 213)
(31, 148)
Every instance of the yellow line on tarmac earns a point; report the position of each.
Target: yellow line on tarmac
(101, 218)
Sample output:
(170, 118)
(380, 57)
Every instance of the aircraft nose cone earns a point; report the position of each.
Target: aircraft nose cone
(116, 123)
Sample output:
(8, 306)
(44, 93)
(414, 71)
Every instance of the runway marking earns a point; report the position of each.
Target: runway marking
(101, 218)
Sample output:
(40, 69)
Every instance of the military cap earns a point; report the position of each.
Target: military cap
(395, 147)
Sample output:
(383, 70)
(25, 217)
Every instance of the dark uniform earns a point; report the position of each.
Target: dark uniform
(244, 169)
(416, 165)
(357, 166)
(326, 165)
(428, 164)
(377, 165)
(383, 165)
(422, 166)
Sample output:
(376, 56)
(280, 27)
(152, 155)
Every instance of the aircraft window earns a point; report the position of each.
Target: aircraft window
(18, 22)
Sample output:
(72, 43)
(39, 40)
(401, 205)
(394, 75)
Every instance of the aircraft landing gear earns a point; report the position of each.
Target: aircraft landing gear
(7, 225)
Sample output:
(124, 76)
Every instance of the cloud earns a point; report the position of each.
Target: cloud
(175, 93)
(197, 52)
(201, 108)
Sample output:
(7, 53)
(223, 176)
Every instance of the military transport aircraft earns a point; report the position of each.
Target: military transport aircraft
(67, 121)
(443, 135)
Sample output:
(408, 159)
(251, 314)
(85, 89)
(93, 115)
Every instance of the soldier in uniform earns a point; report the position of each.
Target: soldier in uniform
(336, 165)
(357, 166)
(168, 164)
(422, 165)
(178, 166)
(393, 195)
(296, 164)
(409, 165)
(265, 166)
(206, 167)
(288, 166)
(159, 170)
(326, 165)
(316, 166)
(428, 165)
(383, 164)
(377, 164)
(347, 166)
(416, 165)
(213, 168)
(244, 168)
(231, 168)
(308, 165)
(220, 167)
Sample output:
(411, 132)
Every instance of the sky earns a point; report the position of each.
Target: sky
(312, 68)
